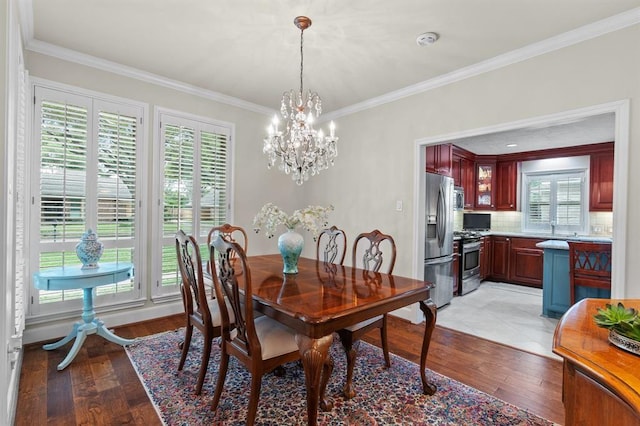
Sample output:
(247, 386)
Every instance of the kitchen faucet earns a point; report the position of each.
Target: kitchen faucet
(553, 227)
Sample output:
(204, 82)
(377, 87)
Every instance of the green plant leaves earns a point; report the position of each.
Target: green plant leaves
(630, 330)
(624, 320)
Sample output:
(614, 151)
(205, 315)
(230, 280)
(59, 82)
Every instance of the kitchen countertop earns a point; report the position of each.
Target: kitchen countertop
(591, 238)
(553, 244)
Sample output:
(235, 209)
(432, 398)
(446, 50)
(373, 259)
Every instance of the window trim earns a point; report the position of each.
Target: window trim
(69, 309)
(158, 293)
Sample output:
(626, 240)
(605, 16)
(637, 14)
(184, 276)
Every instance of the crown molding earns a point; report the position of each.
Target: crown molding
(116, 68)
(587, 32)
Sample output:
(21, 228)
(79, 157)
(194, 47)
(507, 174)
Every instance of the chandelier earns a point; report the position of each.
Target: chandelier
(302, 150)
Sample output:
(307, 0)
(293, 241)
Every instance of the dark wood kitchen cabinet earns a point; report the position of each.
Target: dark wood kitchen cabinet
(526, 262)
(464, 174)
(485, 186)
(501, 247)
(506, 185)
(601, 182)
(517, 260)
(439, 159)
(468, 177)
(485, 257)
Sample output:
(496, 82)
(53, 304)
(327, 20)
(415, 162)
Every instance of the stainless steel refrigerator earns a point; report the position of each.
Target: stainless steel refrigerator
(438, 246)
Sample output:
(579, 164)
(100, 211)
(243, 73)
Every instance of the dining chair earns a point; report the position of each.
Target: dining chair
(260, 344)
(369, 254)
(589, 266)
(201, 311)
(233, 233)
(331, 246)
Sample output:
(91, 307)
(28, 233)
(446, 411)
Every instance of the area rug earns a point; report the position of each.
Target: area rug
(384, 396)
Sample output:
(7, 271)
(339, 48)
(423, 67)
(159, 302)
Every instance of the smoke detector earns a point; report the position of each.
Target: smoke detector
(427, 38)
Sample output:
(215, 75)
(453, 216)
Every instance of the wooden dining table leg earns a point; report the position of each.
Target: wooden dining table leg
(430, 312)
(314, 354)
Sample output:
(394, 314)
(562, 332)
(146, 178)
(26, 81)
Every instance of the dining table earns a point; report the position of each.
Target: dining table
(323, 298)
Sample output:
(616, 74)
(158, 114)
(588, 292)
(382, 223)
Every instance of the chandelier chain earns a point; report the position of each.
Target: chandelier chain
(301, 59)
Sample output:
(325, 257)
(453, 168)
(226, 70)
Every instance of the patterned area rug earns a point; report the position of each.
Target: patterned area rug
(384, 396)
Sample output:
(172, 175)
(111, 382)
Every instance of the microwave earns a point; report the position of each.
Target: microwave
(458, 198)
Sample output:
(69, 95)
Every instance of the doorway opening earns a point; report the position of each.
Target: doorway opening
(620, 110)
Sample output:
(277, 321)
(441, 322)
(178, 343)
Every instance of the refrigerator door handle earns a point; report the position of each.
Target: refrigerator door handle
(439, 260)
(440, 217)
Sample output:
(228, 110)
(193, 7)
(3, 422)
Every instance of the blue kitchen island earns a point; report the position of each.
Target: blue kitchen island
(555, 280)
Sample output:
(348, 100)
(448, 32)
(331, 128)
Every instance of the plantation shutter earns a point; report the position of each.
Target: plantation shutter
(63, 168)
(569, 201)
(213, 180)
(87, 179)
(116, 191)
(195, 183)
(178, 174)
(539, 202)
(555, 203)
(21, 222)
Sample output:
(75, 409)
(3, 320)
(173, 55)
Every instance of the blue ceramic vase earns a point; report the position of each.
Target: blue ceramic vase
(89, 250)
(290, 245)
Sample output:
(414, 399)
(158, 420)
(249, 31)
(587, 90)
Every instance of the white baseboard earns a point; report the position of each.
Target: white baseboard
(41, 332)
(12, 389)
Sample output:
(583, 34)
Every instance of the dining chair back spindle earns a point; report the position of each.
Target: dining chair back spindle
(233, 233)
(331, 246)
(589, 266)
(373, 252)
(261, 344)
(201, 311)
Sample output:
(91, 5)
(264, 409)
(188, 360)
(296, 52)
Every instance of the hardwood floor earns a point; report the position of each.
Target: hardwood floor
(100, 387)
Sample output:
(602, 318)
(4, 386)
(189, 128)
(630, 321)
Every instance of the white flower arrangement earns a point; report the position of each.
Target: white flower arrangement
(311, 218)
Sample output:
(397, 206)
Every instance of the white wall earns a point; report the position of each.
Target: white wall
(376, 163)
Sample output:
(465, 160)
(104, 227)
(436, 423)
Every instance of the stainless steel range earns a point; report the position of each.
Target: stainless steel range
(469, 260)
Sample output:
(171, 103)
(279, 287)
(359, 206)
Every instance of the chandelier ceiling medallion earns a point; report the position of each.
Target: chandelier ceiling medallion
(302, 150)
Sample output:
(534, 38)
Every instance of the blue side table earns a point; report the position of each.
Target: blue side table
(74, 277)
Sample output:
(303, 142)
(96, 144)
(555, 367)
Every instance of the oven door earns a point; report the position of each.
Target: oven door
(470, 259)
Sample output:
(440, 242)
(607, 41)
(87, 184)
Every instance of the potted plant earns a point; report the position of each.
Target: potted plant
(623, 324)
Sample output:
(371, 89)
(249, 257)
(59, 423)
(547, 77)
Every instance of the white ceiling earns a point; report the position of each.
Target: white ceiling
(355, 51)
(589, 130)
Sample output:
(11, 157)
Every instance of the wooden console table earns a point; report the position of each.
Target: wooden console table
(74, 277)
(601, 382)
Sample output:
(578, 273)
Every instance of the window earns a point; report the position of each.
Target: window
(195, 184)
(86, 174)
(555, 202)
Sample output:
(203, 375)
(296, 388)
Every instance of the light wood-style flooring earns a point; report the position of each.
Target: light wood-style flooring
(100, 387)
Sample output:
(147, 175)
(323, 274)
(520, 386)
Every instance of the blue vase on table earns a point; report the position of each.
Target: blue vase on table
(290, 245)
(89, 250)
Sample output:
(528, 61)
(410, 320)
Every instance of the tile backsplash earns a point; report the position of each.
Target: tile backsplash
(600, 223)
